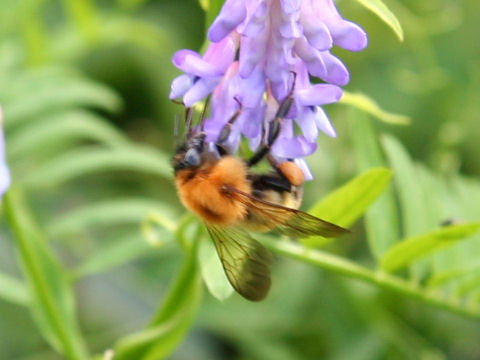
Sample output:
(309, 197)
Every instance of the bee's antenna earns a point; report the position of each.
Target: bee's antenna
(188, 120)
(204, 112)
(175, 130)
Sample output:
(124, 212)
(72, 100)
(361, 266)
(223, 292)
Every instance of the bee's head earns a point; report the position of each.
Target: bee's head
(190, 154)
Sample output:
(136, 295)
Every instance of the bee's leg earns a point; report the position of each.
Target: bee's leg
(272, 181)
(274, 127)
(226, 130)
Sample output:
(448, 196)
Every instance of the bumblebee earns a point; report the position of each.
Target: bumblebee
(232, 200)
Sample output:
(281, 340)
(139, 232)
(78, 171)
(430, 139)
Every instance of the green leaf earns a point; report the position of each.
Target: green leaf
(84, 16)
(155, 224)
(381, 219)
(367, 104)
(127, 30)
(52, 303)
(107, 213)
(416, 215)
(13, 290)
(445, 277)
(346, 204)
(88, 160)
(67, 126)
(467, 286)
(171, 321)
(120, 252)
(409, 187)
(212, 270)
(414, 248)
(49, 89)
(384, 13)
(350, 269)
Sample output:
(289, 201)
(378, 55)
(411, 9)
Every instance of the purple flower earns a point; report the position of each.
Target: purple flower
(4, 172)
(202, 73)
(273, 40)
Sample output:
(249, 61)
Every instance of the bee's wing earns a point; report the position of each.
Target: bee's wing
(245, 261)
(288, 221)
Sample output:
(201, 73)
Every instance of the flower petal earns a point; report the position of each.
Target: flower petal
(290, 6)
(345, 34)
(349, 36)
(323, 123)
(254, 143)
(4, 179)
(291, 29)
(291, 148)
(311, 56)
(190, 62)
(307, 122)
(222, 54)
(306, 170)
(336, 72)
(319, 94)
(180, 85)
(199, 90)
(315, 31)
(256, 19)
(251, 120)
(253, 51)
(250, 89)
(232, 13)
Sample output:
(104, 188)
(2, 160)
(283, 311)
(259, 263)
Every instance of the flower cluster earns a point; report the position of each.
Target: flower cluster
(273, 39)
(4, 173)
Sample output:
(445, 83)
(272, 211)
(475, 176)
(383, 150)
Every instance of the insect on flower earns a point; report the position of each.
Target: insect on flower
(222, 190)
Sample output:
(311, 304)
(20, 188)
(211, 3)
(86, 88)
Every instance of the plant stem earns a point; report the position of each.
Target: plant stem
(379, 278)
(24, 229)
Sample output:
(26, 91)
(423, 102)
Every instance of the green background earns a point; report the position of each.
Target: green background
(89, 128)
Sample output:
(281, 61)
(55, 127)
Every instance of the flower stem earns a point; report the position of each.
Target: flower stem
(29, 243)
(379, 278)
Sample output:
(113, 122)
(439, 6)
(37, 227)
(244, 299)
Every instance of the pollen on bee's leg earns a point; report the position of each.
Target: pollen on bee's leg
(292, 172)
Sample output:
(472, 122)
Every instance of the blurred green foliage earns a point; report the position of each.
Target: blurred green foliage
(96, 252)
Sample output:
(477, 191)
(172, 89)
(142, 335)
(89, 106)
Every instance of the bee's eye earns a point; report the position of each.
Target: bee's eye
(192, 157)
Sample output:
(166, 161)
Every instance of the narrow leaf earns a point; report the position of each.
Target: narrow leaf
(381, 219)
(367, 104)
(411, 193)
(13, 290)
(350, 269)
(130, 30)
(120, 252)
(384, 13)
(346, 204)
(106, 213)
(413, 198)
(212, 271)
(66, 126)
(41, 91)
(172, 320)
(445, 277)
(467, 286)
(85, 161)
(414, 248)
(52, 303)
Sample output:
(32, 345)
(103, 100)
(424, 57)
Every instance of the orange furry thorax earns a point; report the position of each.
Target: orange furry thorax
(202, 190)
